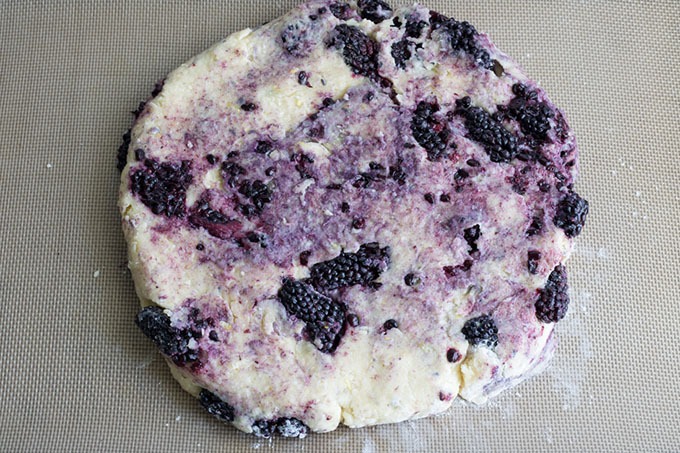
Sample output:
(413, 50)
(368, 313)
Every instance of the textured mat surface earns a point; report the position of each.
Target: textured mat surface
(77, 375)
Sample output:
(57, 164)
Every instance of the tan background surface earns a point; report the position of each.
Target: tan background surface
(76, 374)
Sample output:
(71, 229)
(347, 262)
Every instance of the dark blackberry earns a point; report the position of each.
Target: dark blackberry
(415, 28)
(429, 198)
(396, 23)
(428, 131)
(533, 116)
(533, 257)
(172, 342)
(463, 39)
(344, 207)
(571, 214)
(481, 330)
(324, 318)
(140, 155)
(350, 269)
(200, 247)
(455, 271)
(258, 192)
(374, 10)
(471, 236)
(212, 160)
(214, 222)
(498, 142)
(162, 187)
(215, 406)
(327, 102)
(553, 300)
(401, 53)
(248, 107)
(358, 223)
(291, 427)
(452, 355)
(121, 158)
(270, 171)
(445, 198)
(411, 279)
(358, 50)
(156, 325)
(543, 186)
(158, 87)
(341, 10)
(285, 427)
(213, 336)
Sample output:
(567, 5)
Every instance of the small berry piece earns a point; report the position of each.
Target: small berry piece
(324, 318)
(374, 10)
(452, 355)
(412, 279)
(471, 236)
(390, 324)
(162, 187)
(498, 142)
(123, 151)
(429, 132)
(248, 107)
(155, 324)
(349, 269)
(533, 257)
(264, 428)
(401, 53)
(481, 330)
(215, 406)
(553, 300)
(304, 257)
(341, 10)
(358, 50)
(429, 198)
(353, 320)
(203, 216)
(571, 214)
(258, 193)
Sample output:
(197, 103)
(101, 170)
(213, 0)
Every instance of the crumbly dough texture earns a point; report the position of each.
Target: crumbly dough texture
(274, 142)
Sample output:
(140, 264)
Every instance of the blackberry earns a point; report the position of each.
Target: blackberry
(286, 427)
(532, 115)
(536, 226)
(258, 192)
(445, 198)
(349, 269)
(248, 107)
(429, 198)
(344, 207)
(358, 50)
(232, 173)
(304, 257)
(473, 163)
(415, 28)
(214, 222)
(463, 39)
(498, 142)
(353, 320)
(454, 271)
(294, 39)
(123, 151)
(461, 174)
(471, 236)
(358, 223)
(374, 10)
(140, 155)
(429, 132)
(303, 79)
(215, 406)
(341, 10)
(533, 257)
(324, 318)
(553, 300)
(162, 187)
(481, 330)
(213, 336)
(172, 342)
(571, 214)
(401, 53)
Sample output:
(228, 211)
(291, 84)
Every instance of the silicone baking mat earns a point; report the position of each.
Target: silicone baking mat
(77, 375)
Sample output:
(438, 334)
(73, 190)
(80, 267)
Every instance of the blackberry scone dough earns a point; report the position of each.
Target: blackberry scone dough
(351, 214)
